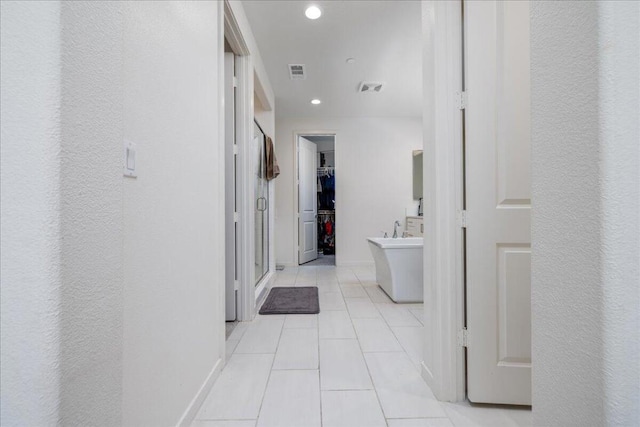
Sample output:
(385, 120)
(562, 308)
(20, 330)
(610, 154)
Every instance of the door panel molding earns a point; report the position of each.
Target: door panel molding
(498, 199)
(307, 200)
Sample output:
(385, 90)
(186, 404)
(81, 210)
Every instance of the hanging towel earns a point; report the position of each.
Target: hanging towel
(273, 170)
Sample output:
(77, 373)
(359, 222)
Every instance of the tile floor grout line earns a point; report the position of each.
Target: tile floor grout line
(225, 419)
(406, 354)
(419, 418)
(375, 391)
(394, 335)
(414, 315)
(319, 376)
(264, 393)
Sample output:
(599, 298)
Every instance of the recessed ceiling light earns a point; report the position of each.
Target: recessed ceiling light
(313, 12)
(351, 60)
(316, 101)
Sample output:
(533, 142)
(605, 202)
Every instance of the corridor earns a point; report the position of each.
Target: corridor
(354, 364)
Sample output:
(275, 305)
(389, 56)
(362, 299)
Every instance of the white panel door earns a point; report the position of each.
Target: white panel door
(230, 188)
(498, 196)
(307, 201)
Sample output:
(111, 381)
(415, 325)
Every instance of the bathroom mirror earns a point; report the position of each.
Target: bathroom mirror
(417, 174)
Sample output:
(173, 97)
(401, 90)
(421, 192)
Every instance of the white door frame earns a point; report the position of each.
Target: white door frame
(443, 367)
(231, 283)
(296, 198)
(244, 136)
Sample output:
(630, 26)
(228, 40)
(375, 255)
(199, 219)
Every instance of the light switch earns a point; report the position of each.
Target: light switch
(130, 159)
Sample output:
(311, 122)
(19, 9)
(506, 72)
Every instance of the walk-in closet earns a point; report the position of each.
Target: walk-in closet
(318, 192)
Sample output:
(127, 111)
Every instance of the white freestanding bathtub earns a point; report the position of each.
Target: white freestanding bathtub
(399, 267)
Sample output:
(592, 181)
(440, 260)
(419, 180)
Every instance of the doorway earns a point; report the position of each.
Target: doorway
(316, 199)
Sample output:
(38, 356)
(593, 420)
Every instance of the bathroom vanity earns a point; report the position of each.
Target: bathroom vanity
(414, 226)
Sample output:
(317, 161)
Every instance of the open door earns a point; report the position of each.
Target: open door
(231, 297)
(307, 201)
(498, 196)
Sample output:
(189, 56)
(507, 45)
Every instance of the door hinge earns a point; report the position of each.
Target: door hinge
(236, 285)
(461, 100)
(463, 337)
(235, 81)
(462, 219)
(235, 149)
(236, 217)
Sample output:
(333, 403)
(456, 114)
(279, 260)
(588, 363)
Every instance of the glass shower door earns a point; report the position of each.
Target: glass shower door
(261, 212)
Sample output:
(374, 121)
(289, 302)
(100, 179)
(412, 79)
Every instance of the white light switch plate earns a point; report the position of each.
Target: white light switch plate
(129, 160)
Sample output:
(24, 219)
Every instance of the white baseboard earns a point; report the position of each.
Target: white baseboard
(426, 373)
(338, 263)
(194, 406)
(264, 284)
(287, 264)
(427, 376)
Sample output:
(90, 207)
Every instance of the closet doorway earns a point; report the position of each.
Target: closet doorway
(316, 199)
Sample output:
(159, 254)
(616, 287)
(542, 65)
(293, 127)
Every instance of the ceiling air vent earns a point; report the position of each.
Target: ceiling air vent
(370, 87)
(296, 72)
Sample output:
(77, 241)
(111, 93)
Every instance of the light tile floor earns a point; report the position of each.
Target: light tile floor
(356, 364)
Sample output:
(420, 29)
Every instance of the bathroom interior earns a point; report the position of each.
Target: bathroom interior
(346, 206)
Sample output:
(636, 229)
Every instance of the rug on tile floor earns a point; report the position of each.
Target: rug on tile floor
(292, 300)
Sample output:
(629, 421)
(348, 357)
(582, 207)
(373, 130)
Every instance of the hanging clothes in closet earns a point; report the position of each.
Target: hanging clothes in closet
(326, 210)
(326, 233)
(326, 188)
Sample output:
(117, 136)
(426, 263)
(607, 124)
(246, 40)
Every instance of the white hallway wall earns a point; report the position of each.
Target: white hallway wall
(110, 310)
(172, 242)
(62, 240)
(585, 225)
(30, 226)
(373, 181)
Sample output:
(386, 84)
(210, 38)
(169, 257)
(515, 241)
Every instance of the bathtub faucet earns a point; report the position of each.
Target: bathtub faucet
(395, 229)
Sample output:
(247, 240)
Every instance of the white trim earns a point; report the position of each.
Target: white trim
(296, 206)
(220, 277)
(262, 95)
(443, 367)
(264, 284)
(271, 273)
(194, 406)
(233, 33)
(244, 129)
(244, 136)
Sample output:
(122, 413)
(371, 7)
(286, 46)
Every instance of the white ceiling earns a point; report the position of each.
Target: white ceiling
(384, 37)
